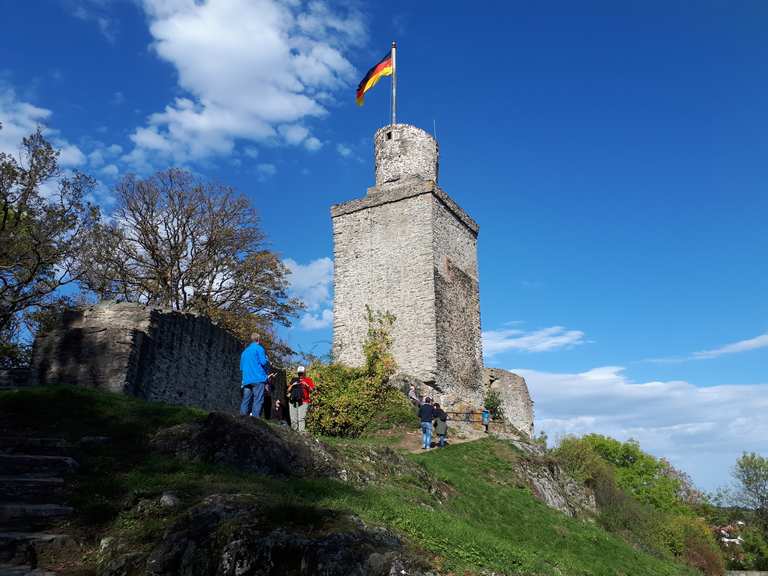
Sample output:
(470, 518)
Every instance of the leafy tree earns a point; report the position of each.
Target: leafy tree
(751, 475)
(44, 223)
(181, 243)
(492, 403)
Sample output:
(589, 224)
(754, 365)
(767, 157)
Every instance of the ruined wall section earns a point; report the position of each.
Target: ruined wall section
(383, 258)
(152, 354)
(457, 294)
(515, 399)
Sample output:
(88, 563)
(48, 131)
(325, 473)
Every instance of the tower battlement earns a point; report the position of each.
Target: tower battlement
(409, 249)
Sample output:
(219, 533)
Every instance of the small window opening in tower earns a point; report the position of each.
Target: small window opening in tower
(389, 135)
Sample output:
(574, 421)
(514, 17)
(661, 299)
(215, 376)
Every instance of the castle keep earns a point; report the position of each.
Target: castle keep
(409, 249)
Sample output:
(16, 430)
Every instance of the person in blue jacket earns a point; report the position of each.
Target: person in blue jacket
(254, 365)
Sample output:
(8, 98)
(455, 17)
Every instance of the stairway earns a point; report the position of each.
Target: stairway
(33, 474)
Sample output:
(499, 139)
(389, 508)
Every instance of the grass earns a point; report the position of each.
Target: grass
(472, 516)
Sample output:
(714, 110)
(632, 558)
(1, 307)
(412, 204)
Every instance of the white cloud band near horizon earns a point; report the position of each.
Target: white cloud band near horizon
(756, 343)
(699, 429)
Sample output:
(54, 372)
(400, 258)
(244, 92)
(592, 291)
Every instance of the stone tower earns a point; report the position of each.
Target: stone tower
(409, 249)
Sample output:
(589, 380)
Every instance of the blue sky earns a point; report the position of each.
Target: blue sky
(613, 153)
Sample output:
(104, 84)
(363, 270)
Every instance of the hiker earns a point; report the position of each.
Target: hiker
(413, 396)
(426, 415)
(255, 368)
(441, 425)
(486, 419)
(299, 391)
(277, 413)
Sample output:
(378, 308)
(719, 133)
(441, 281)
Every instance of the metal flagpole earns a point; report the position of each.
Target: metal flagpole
(394, 83)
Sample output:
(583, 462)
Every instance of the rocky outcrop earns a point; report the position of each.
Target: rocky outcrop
(248, 444)
(233, 535)
(515, 400)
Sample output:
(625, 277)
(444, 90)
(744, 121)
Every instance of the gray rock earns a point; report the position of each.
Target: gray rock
(169, 500)
(229, 535)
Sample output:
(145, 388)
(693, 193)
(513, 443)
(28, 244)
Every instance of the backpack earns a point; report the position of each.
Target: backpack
(297, 393)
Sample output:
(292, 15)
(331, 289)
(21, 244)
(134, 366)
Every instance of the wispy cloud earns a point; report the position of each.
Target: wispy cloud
(542, 340)
(701, 429)
(97, 12)
(734, 348)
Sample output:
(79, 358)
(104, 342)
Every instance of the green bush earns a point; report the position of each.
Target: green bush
(640, 501)
(350, 401)
(493, 404)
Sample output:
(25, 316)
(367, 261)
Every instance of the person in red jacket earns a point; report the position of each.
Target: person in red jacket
(299, 398)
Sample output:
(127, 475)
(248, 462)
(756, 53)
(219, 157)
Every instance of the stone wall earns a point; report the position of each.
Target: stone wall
(383, 259)
(515, 400)
(152, 354)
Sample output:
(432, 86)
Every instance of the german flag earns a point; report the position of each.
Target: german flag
(383, 68)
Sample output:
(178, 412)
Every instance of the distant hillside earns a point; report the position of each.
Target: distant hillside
(169, 490)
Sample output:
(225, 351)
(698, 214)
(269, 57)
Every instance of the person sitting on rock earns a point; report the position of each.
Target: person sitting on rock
(441, 425)
(255, 369)
(299, 398)
(426, 415)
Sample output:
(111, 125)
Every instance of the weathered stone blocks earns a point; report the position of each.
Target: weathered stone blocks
(149, 353)
(409, 249)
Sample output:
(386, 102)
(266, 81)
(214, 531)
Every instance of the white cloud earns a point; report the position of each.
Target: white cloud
(543, 340)
(311, 283)
(319, 321)
(344, 151)
(700, 429)
(741, 346)
(95, 11)
(18, 119)
(251, 152)
(312, 144)
(251, 70)
(265, 171)
(70, 155)
(755, 343)
(110, 170)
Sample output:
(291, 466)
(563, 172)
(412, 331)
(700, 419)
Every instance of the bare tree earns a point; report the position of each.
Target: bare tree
(177, 242)
(44, 222)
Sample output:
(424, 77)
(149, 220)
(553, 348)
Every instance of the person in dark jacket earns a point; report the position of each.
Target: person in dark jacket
(426, 415)
(441, 425)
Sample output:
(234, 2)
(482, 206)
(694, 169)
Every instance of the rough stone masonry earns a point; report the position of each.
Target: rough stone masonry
(153, 354)
(409, 249)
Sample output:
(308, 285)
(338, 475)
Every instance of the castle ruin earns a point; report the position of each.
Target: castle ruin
(409, 249)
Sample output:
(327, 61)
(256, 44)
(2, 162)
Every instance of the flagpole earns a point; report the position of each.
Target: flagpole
(394, 83)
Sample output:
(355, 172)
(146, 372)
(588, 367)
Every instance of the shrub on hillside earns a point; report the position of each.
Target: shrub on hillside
(493, 404)
(351, 401)
(640, 501)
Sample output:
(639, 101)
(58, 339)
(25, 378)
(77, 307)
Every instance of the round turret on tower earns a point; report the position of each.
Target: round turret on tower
(403, 151)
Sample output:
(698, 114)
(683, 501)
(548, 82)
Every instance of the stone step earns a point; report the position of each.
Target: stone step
(35, 446)
(30, 547)
(14, 570)
(31, 517)
(16, 464)
(34, 490)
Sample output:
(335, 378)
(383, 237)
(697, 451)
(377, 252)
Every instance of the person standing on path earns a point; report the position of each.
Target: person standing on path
(255, 368)
(441, 425)
(426, 415)
(299, 397)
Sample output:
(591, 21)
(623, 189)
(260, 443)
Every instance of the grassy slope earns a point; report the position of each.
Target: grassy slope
(486, 523)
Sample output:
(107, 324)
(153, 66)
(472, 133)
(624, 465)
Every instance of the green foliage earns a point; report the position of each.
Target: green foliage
(492, 403)
(751, 475)
(641, 498)
(470, 516)
(350, 401)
